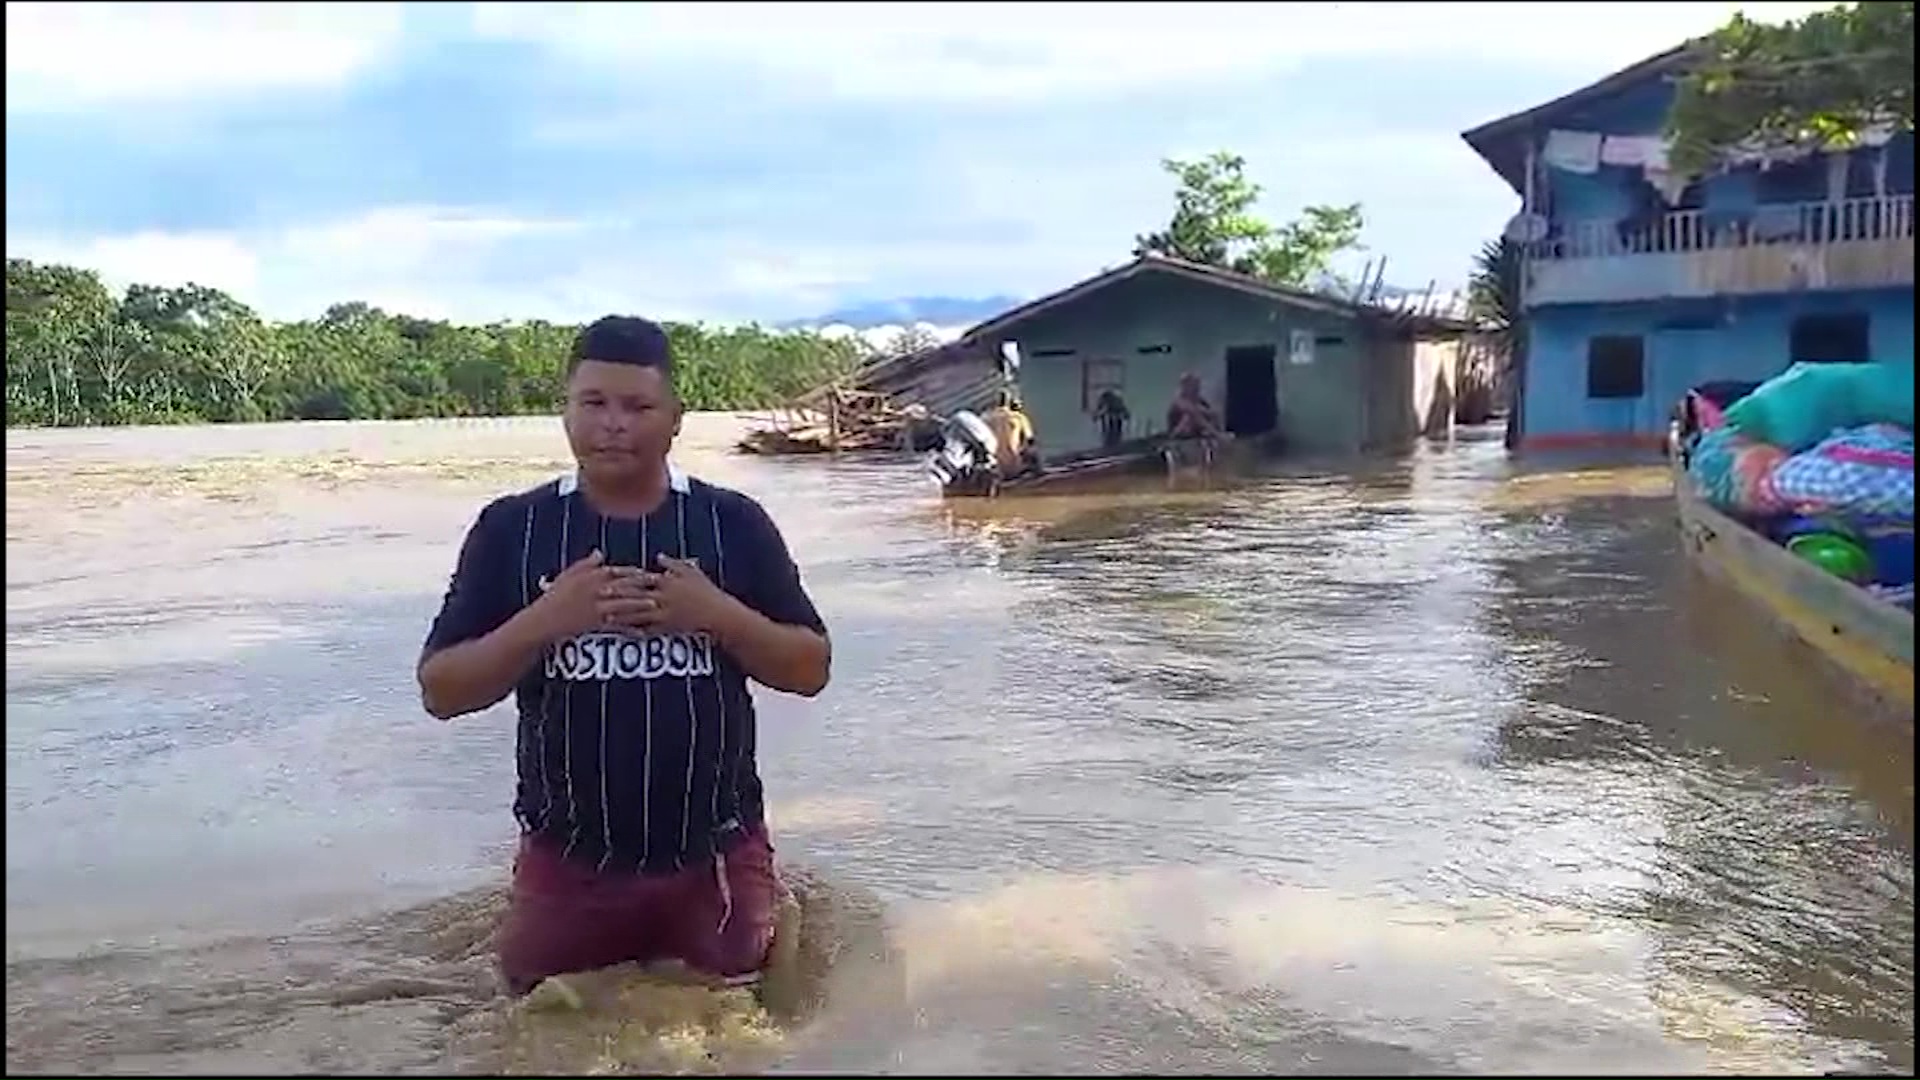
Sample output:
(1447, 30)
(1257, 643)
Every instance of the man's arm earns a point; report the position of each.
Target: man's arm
(477, 647)
(776, 635)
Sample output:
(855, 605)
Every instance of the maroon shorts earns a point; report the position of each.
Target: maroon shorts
(716, 915)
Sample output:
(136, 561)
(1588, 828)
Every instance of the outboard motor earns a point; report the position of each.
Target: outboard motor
(968, 453)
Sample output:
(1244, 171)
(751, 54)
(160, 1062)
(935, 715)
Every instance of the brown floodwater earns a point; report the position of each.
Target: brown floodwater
(1431, 765)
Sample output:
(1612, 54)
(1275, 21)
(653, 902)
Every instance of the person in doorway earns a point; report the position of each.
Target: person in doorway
(1013, 430)
(1191, 416)
(1110, 413)
(626, 606)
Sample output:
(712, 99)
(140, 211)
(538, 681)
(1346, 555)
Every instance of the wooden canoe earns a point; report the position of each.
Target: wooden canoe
(1135, 459)
(1866, 640)
(1071, 475)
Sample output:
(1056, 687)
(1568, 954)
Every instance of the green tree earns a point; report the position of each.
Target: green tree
(1494, 302)
(1493, 290)
(910, 340)
(1819, 82)
(214, 347)
(1214, 222)
(59, 321)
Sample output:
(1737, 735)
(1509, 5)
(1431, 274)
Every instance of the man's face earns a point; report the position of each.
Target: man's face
(621, 419)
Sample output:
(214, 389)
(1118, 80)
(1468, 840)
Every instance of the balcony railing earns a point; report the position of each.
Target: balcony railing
(1883, 218)
(1856, 243)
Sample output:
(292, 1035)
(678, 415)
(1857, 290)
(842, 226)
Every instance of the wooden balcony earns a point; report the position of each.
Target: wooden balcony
(1784, 248)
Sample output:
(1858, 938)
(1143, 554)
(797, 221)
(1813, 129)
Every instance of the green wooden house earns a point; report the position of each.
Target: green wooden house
(1328, 376)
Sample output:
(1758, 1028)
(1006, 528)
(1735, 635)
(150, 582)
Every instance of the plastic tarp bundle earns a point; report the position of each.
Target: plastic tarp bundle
(1735, 473)
(1864, 471)
(1808, 402)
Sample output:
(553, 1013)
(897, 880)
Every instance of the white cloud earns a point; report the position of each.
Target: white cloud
(1026, 51)
(449, 264)
(71, 55)
(439, 262)
(425, 261)
(63, 56)
(407, 240)
(219, 260)
(966, 217)
(1003, 228)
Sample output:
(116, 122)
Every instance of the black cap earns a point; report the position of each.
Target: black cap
(624, 339)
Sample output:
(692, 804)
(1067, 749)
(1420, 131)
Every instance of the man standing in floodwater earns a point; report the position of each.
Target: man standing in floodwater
(625, 605)
(1191, 415)
(1110, 412)
(1013, 432)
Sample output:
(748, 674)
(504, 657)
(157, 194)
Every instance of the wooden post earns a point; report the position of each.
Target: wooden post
(1529, 199)
(1517, 333)
(833, 419)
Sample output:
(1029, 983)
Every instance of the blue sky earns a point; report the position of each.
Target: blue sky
(749, 161)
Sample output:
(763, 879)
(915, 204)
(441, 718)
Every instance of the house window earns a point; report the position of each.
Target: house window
(1830, 339)
(1616, 367)
(1099, 376)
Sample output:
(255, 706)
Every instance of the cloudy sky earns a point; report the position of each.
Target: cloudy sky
(733, 161)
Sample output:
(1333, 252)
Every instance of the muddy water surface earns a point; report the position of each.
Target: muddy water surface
(1423, 767)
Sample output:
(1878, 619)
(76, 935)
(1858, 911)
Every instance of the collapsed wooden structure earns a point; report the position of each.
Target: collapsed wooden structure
(894, 403)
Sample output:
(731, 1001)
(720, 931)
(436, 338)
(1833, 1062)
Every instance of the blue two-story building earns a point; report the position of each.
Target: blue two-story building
(1638, 286)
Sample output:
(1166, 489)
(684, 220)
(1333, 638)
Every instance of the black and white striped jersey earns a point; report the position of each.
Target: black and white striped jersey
(635, 752)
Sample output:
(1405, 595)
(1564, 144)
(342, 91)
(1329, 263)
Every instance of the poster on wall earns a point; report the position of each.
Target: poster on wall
(1300, 347)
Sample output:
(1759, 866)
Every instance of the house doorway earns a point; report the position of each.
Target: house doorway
(1253, 390)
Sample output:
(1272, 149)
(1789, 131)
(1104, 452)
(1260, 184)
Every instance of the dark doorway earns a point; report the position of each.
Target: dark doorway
(1253, 390)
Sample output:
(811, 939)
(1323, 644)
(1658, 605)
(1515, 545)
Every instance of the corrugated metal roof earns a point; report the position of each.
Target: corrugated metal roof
(1214, 275)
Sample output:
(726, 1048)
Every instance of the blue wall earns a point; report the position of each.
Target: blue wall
(1686, 343)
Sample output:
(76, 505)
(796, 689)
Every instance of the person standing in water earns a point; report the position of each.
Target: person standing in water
(1111, 414)
(1192, 430)
(1191, 415)
(1013, 430)
(626, 606)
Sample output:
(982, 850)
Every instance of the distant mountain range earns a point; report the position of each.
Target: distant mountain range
(953, 311)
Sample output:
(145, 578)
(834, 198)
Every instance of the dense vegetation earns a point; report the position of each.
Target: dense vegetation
(1820, 82)
(76, 354)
